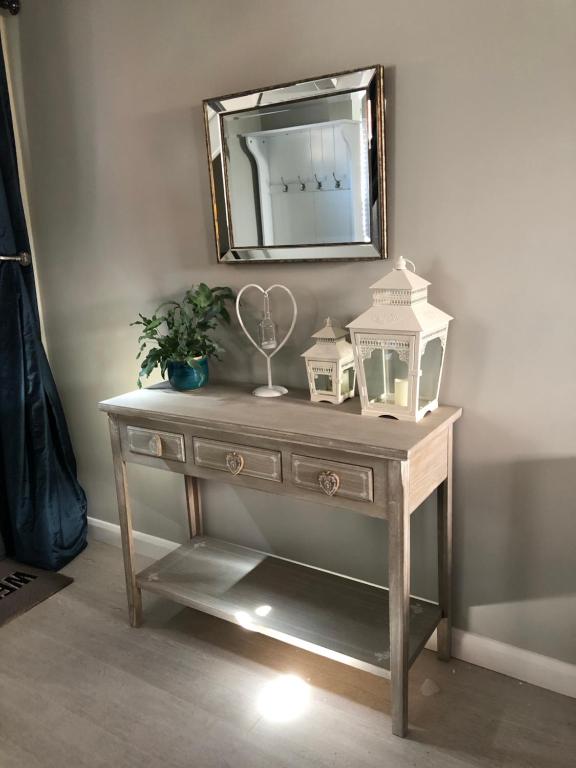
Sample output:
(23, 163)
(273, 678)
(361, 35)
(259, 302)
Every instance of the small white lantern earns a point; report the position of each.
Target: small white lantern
(330, 365)
(399, 346)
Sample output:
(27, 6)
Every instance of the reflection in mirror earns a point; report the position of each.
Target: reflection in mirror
(297, 171)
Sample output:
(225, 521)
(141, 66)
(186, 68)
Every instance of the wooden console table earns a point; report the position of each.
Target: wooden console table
(318, 452)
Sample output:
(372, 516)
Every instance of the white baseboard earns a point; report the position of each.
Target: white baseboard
(530, 667)
(144, 544)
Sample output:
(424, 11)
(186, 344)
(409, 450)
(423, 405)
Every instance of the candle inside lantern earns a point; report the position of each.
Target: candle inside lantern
(401, 392)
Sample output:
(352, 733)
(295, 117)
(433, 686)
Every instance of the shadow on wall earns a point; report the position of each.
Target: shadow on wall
(323, 536)
(532, 506)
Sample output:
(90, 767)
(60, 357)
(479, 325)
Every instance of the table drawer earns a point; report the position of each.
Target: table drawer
(333, 478)
(152, 442)
(238, 459)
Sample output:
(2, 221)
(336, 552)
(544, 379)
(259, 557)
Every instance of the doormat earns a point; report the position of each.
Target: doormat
(22, 587)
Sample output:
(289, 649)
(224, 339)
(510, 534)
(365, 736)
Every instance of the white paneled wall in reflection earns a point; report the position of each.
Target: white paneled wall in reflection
(313, 182)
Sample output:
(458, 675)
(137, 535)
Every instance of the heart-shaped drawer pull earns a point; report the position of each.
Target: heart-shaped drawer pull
(329, 482)
(155, 445)
(235, 462)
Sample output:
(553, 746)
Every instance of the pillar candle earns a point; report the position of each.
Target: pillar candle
(401, 392)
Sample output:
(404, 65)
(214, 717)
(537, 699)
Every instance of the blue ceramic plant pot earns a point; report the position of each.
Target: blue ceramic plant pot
(183, 376)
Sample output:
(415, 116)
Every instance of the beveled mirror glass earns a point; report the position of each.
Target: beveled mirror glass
(297, 171)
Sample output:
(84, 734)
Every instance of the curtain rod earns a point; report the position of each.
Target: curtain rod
(10, 5)
(24, 258)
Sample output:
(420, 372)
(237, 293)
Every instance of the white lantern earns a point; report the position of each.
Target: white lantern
(399, 345)
(330, 365)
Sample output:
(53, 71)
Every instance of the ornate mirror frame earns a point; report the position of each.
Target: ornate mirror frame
(369, 80)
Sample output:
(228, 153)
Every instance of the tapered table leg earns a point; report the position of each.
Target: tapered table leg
(193, 504)
(445, 558)
(399, 583)
(125, 514)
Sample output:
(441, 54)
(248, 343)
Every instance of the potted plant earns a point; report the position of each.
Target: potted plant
(178, 340)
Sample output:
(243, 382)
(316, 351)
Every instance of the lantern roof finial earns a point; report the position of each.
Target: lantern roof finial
(400, 302)
(330, 344)
(330, 332)
(401, 278)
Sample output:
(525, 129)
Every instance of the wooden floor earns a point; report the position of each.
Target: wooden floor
(79, 688)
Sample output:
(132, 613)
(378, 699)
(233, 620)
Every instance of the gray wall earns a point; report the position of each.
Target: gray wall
(482, 172)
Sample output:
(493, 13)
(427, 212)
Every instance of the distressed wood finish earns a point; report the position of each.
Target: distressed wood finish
(125, 517)
(310, 451)
(146, 426)
(445, 557)
(399, 579)
(232, 409)
(253, 462)
(272, 443)
(332, 615)
(193, 506)
(428, 468)
(353, 482)
(151, 442)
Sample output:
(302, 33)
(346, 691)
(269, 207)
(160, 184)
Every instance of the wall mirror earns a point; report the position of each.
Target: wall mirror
(297, 171)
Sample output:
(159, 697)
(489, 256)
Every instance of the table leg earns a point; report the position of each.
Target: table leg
(399, 583)
(193, 505)
(133, 592)
(445, 558)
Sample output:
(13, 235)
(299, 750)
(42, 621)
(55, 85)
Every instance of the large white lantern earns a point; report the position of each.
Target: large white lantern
(330, 365)
(399, 345)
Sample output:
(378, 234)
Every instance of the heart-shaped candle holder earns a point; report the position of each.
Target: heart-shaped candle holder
(270, 390)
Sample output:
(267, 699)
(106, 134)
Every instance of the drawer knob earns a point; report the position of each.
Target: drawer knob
(329, 482)
(235, 462)
(155, 445)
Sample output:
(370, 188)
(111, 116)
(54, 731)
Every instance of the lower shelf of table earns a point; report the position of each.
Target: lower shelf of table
(326, 613)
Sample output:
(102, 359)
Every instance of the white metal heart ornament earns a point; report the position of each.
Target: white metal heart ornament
(270, 390)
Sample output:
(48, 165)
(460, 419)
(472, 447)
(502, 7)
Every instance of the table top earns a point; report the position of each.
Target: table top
(291, 417)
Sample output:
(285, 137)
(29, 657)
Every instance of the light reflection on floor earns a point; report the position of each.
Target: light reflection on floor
(286, 697)
(245, 619)
(283, 699)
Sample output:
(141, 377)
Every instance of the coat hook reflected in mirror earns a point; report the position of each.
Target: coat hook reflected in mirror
(284, 185)
(337, 182)
(318, 182)
(301, 184)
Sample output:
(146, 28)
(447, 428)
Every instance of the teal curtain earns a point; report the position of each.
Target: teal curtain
(42, 505)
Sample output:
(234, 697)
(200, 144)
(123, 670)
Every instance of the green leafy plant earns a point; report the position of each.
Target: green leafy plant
(181, 332)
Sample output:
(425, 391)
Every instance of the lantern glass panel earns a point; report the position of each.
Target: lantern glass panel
(323, 382)
(386, 377)
(347, 381)
(430, 369)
